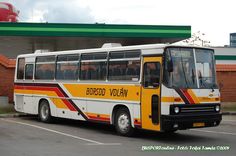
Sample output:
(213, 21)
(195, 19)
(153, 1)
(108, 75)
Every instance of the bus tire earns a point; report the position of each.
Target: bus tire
(123, 122)
(45, 112)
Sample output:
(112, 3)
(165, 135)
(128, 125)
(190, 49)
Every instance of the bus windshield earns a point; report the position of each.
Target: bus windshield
(187, 74)
(205, 68)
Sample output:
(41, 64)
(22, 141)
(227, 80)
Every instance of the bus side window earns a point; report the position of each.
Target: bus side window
(151, 74)
(67, 67)
(20, 68)
(124, 65)
(93, 66)
(29, 68)
(84, 71)
(45, 67)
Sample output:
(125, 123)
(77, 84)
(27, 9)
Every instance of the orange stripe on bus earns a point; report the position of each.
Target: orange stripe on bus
(207, 99)
(57, 101)
(98, 117)
(193, 96)
(171, 99)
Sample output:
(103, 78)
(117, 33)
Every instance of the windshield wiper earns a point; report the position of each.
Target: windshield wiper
(202, 81)
(185, 78)
(193, 76)
(212, 88)
(204, 84)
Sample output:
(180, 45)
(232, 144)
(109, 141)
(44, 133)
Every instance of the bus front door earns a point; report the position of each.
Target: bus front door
(150, 100)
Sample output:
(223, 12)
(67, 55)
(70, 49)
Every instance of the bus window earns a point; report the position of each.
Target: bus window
(45, 67)
(124, 70)
(67, 67)
(29, 68)
(93, 66)
(20, 68)
(124, 65)
(205, 68)
(151, 74)
(124, 54)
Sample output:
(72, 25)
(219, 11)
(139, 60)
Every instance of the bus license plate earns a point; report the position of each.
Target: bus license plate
(199, 124)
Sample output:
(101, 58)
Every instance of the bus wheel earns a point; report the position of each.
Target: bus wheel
(44, 112)
(123, 122)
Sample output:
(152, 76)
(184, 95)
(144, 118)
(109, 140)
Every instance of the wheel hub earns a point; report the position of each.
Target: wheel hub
(44, 111)
(123, 122)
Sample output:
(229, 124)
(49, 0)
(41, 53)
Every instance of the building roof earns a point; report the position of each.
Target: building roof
(94, 30)
(226, 67)
(7, 63)
(18, 38)
(225, 57)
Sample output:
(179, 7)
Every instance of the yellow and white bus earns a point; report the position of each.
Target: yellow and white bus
(153, 87)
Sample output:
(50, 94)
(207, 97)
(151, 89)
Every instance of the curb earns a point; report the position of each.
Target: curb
(12, 115)
(229, 113)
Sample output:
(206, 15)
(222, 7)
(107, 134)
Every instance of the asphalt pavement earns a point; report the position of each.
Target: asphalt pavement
(26, 136)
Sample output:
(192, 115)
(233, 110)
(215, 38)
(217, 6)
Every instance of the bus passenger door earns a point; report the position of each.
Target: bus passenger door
(150, 100)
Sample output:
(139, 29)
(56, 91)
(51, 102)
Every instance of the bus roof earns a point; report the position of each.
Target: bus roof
(108, 49)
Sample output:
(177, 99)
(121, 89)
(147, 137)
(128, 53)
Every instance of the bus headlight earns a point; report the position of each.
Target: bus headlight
(217, 108)
(176, 109)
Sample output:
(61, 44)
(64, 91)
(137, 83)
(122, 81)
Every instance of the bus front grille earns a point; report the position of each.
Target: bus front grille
(193, 109)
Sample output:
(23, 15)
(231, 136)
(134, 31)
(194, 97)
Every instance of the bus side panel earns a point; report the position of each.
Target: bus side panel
(24, 99)
(19, 102)
(99, 110)
(30, 106)
(81, 104)
(167, 99)
(136, 115)
(102, 98)
(35, 102)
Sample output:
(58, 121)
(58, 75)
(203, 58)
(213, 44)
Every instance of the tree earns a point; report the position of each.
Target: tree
(197, 39)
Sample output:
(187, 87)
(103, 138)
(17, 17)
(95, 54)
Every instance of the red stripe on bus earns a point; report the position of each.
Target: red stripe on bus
(99, 118)
(188, 96)
(54, 89)
(137, 123)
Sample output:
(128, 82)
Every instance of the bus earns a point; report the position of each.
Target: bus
(157, 87)
(8, 13)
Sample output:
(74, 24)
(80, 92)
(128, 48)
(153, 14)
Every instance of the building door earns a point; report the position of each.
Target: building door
(151, 89)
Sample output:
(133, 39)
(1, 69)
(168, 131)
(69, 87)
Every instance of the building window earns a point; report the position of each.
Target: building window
(233, 40)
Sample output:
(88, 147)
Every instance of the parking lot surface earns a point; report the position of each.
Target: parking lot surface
(26, 136)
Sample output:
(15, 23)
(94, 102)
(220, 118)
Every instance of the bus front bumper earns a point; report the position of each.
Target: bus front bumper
(179, 122)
